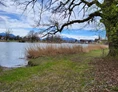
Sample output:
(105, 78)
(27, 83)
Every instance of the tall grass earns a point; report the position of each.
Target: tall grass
(95, 47)
(38, 51)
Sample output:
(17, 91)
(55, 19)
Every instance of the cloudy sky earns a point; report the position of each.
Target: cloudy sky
(20, 23)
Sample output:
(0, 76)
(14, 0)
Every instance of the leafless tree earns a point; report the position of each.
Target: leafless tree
(7, 34)
(33, 36)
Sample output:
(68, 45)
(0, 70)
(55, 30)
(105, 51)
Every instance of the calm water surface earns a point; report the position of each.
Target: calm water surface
(13, 54)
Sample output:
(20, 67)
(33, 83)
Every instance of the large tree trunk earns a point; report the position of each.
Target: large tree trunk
(113, 42)
(110, 20)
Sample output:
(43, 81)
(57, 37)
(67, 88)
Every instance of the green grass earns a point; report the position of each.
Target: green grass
(19, 74)
(63, 73)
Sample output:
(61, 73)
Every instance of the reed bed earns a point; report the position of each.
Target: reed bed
(38, 51)
(94, 47)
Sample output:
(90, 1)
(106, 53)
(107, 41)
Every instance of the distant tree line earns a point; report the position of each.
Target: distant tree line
(53, 38)
(33, 36)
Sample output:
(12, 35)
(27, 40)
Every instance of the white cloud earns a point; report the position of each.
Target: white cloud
(21, 32)
(19, 26)
(2, 30)
(11, 8)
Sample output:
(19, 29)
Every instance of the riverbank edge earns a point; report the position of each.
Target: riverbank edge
(46, 65)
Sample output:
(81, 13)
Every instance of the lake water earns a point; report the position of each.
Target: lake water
(13, 54)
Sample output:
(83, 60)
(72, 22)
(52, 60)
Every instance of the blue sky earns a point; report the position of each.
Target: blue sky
(10, 15)
(84, 34)
(11, 18)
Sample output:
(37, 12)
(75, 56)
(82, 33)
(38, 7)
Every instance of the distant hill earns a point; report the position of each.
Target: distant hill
(4, 34)
(67, 39)
(64, 38)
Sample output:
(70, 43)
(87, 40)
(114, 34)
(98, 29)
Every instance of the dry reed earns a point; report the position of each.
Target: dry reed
(38, 51)
(94, 47)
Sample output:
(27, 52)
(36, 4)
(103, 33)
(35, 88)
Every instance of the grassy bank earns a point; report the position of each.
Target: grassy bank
(60, 73)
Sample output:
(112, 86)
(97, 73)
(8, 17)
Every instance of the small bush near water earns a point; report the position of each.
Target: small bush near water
(37, 51)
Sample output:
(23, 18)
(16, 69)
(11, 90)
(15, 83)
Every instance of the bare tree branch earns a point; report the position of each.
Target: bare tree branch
(2, 3)
(90, 17)
(66, 9)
